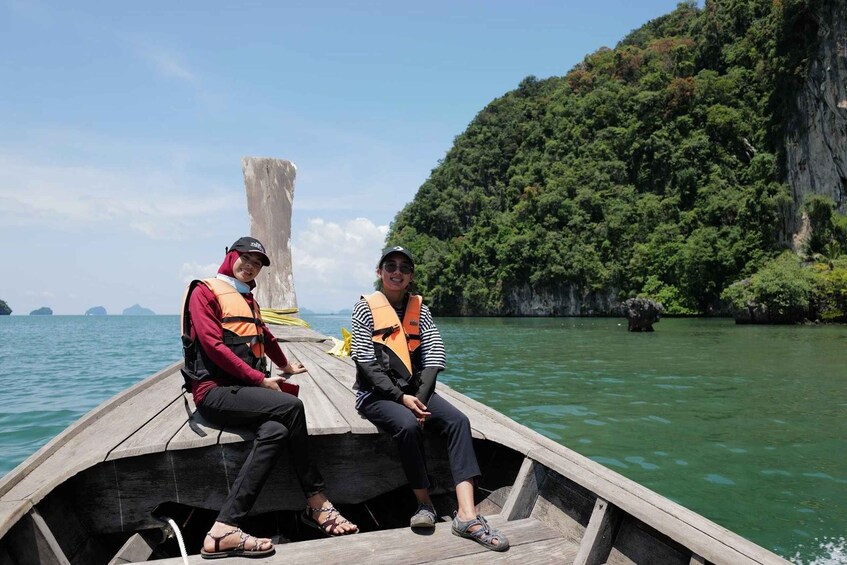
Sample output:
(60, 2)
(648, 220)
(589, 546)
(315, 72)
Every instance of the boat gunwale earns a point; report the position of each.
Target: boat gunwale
(22, 470)
(600, 480)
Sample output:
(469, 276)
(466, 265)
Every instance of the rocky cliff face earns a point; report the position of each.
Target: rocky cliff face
(567, 300)
(816, 138)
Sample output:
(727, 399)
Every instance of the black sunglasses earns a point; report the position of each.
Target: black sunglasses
(404, 268)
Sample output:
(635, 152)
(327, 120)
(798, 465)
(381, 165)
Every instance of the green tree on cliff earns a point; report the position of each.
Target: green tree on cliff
(654, 167)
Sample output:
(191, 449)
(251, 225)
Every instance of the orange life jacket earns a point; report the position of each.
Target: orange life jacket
(242, 329)
(400, 340)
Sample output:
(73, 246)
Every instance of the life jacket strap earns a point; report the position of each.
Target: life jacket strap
(385, 333)
(232, 339)
(241, 319)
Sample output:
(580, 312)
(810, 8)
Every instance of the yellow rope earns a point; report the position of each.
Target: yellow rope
(281, 317)
(341, 347)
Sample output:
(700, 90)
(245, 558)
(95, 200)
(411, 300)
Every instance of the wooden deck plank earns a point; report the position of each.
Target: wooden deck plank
(540, 552)
(343, 398)
(343, 369)
(285, 333)
(194, 432)
(155, 434)
(401, 546)
(322, 417)
(93, 443)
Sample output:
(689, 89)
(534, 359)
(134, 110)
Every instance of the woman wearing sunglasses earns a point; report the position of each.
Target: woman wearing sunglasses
(398, 353)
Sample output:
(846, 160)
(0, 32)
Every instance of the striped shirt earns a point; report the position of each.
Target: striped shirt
(362, 347)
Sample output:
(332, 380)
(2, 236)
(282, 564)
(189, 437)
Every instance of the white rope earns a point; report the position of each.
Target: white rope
(178, 535)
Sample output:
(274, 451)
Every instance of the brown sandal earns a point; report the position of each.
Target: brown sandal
(329, 526)
(239, 550)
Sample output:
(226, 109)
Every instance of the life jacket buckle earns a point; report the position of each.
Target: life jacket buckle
(389, 331)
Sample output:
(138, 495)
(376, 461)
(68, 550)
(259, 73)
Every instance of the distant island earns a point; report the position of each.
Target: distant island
(345, 311)
(136, 310)
(96, 311)
(4, 308)
(43, 311)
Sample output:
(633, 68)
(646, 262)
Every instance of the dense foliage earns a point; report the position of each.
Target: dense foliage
(787, 291)
(650, 169)
(783, 287)
(4, 308)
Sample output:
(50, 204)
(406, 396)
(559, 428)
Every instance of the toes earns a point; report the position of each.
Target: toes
(347, 528)
(258, 544)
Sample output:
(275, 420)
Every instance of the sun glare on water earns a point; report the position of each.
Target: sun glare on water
(831, 551)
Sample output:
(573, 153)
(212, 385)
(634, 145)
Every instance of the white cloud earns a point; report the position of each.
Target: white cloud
(156, 204)
(335, 262)
(190, 271)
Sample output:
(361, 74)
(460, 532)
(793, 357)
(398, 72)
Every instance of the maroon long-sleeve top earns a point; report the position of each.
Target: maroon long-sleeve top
(206, 321)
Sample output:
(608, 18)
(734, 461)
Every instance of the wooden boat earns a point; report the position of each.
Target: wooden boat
(92, 494)
(103, 490)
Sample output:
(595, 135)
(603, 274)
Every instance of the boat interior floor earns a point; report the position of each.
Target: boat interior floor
(531, 541)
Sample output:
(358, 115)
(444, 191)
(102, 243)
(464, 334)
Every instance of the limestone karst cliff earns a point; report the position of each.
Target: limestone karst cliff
(670, 166)
(816, 132)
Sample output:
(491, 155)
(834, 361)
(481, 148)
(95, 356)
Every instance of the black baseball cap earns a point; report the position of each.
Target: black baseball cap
(396, 249)
(250, 245)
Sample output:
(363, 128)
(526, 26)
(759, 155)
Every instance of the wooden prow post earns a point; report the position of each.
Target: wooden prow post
(270, 194)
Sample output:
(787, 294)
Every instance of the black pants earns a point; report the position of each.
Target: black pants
(401, 423)
(276, 416)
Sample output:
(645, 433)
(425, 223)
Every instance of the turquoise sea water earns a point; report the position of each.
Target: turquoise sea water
(745, 425)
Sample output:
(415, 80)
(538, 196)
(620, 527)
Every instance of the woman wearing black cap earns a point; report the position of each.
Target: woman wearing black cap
(226, 342)
(398, 353)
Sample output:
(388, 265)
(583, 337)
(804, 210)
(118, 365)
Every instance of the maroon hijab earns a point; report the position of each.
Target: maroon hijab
(226, 267)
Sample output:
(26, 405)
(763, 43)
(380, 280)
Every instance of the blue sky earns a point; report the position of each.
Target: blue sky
(124, 125)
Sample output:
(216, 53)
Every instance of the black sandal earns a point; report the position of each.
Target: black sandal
(239, 550)
(327, 527)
